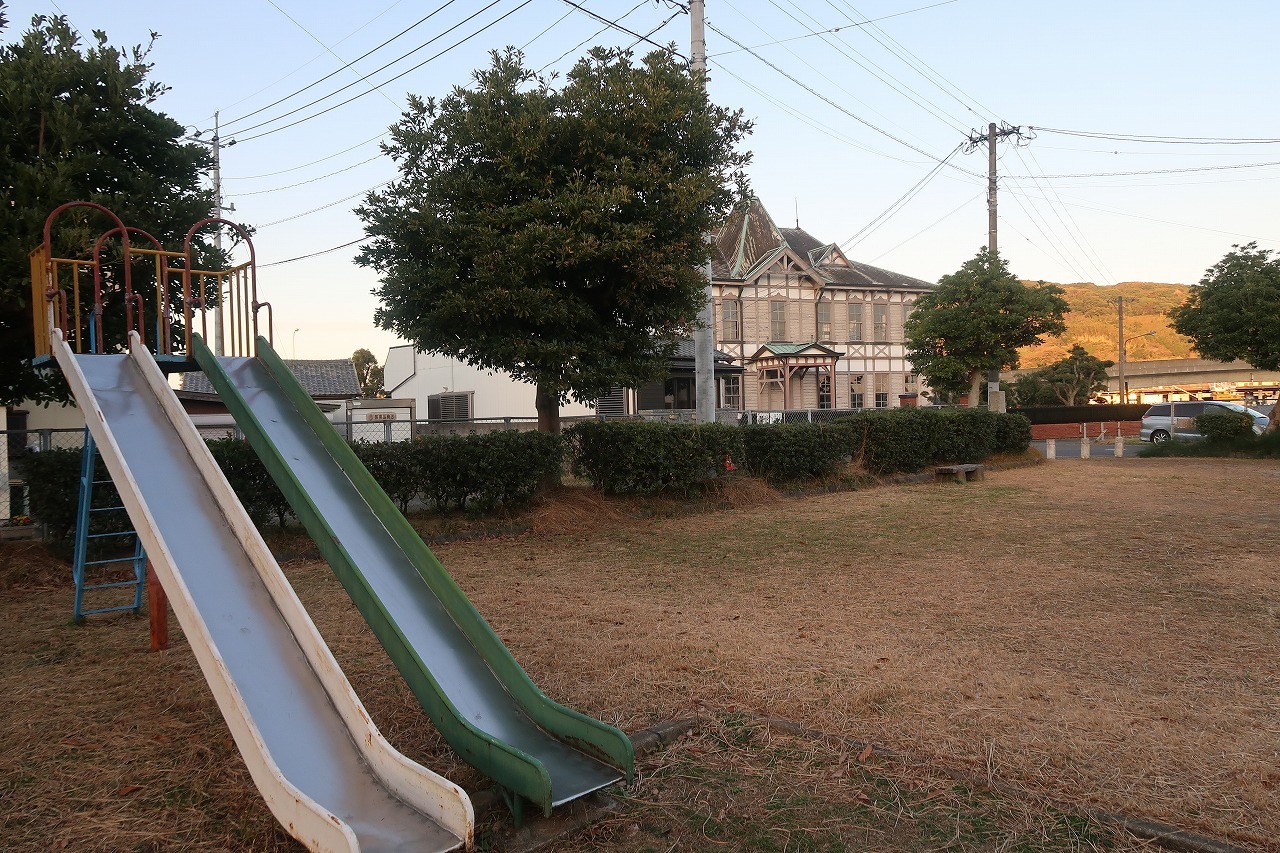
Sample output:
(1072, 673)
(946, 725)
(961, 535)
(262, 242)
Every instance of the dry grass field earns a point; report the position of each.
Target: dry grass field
(1097, 635)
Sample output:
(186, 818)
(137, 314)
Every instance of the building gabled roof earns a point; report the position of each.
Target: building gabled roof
(749, 242)
(323, 379)
(774, 348)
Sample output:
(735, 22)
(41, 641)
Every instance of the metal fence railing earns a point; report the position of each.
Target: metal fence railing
(15, 446)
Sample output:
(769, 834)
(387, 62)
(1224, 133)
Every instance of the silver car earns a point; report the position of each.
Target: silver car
(1157, 425)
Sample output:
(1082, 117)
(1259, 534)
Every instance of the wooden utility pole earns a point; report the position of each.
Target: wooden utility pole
(704, 341)
(994, 400)
(1124, 397)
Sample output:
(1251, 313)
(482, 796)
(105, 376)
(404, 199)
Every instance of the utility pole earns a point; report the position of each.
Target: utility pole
(1124, 397)
(704, 342)
(995, 401)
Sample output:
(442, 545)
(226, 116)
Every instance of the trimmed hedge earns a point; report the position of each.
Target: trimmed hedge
(787, 453)
(482, 472)
(635, 457)
(1223, 425)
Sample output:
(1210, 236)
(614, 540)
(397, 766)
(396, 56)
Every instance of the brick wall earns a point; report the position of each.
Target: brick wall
(1106, 429)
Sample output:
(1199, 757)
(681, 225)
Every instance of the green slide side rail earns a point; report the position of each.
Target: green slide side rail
(514, 769)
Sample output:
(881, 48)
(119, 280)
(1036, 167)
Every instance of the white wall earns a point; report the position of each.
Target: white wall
(408, 373)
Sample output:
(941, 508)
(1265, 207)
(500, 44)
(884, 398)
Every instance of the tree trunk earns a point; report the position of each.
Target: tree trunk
(548, 406)
(975, 388)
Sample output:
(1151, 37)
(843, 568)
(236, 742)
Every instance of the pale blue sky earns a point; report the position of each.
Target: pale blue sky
(1144, 68)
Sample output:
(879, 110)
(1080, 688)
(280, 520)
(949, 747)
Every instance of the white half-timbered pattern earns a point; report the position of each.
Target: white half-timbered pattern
(778, 290)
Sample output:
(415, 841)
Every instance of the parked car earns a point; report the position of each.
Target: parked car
(1156, 425)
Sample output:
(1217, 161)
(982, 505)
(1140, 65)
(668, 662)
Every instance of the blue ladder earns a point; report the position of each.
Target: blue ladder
(82, 564)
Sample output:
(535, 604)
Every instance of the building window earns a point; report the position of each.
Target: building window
(909, 382)
(882, 390)
(822, 312)
(733, 392)
(778, 321)
(880, 322)
(730, 320)
(855, 391)
(855, 321)
(450, 406)
(824, 392)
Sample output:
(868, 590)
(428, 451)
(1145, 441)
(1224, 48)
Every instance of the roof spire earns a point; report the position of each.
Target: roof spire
(797, 200)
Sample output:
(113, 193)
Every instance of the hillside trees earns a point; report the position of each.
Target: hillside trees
(975, 320)
(555, 234)
(77, 124)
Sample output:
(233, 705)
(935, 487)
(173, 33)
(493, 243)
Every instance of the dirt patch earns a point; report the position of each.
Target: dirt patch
(1098, 632)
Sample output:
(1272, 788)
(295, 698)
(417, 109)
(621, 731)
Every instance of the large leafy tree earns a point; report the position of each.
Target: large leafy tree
(556, 234)
(77, 124)
(975, 320)
(1233, 313)
(1076, 377)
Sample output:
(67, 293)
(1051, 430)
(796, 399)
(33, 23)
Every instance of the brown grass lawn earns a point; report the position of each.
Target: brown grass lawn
(1099, 634)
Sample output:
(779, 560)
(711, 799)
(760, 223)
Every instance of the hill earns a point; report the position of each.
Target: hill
(1092, 323)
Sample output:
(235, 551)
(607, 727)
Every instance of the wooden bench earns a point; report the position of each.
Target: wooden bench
(958, 473)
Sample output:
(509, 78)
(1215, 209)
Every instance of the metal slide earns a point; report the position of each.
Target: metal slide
(464, 677)
(326, 773)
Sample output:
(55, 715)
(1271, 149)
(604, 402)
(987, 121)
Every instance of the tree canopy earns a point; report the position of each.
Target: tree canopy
(1232, 314)
(1069, 381)
(76, 124)
(368, 372)
(975, 320)
(556, 234)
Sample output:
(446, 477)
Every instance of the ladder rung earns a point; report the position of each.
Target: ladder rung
(110, 562)
(111, 585)
(107, 609)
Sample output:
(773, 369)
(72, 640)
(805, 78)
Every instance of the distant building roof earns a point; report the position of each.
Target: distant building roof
(323, 379)
(749, 242)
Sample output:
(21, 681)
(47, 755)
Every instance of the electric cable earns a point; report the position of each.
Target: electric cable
(304, 165)
(324, 206)
(313, 254)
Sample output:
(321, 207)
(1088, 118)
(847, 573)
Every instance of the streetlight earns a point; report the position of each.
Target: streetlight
(295, 343)
(1124, 392)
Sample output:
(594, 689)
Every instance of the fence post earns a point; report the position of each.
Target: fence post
(1119, 445)
(1084, 447)
(506, 424)
(46, 440)
(1050, 448)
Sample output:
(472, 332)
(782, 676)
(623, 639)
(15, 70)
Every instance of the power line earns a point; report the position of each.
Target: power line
(1222, 168)
(836, 104)
(892, 82)
(324, 206)
(313, 180)
(305, 165)
(935, 222)
(313, 254)
(837, 29)
(432, 58)
(615, 25)
(870, 228)
(1156, 139)
(346, 65)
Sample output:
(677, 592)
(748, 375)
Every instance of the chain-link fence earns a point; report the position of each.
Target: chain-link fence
(15, 446)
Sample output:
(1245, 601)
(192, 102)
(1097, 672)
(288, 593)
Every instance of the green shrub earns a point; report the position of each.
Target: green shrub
(248, 477)
(787, 453)
(1223, 426)
(897, 440)
(395, 465)
(1012, 433)
(635, 457)
(53, 489)
(970, 435)
(445, 465)
(507, 468)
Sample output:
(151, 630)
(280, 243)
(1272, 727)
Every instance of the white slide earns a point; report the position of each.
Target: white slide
(323, 768)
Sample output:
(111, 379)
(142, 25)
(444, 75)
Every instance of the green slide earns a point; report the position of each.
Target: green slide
(484, 704)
